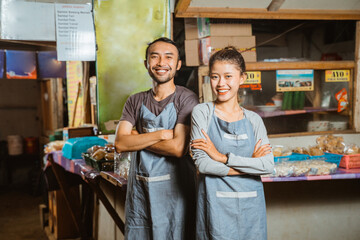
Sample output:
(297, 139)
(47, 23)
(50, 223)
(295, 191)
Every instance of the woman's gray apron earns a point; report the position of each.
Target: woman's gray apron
(231, 207)
(160, 188)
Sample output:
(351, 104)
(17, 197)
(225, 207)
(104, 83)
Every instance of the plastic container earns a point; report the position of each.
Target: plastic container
(317, 126)
(99, 165)
(74, 147)
(31, 145)
(338, 126)
(292, 157)
(350, 161)
(15, 145)
(328, 157)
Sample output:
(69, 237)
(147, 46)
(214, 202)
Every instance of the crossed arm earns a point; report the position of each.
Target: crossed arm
(209, 161)
(167, 142)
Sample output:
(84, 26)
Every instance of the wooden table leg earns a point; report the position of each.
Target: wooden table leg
(95, 186)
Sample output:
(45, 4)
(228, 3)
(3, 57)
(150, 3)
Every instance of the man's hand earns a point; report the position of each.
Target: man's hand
(207, 146)
(167, 134)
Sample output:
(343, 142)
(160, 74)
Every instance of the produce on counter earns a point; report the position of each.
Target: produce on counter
(99, 152)
(303, 168)
(54, 146)
(280, 151)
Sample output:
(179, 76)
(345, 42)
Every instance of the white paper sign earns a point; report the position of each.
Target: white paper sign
(33, 21)
(75, 36)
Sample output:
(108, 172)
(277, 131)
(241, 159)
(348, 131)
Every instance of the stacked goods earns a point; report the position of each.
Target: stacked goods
(293, 100)
(334, 148)
(100, 157)
(203, 38)
(303, 168)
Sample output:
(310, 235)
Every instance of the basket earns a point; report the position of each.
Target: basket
(328, 157)
(350, 161)
(100, 165)
(292, 157)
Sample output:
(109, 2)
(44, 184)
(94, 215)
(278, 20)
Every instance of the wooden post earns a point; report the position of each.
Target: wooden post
(356, 102)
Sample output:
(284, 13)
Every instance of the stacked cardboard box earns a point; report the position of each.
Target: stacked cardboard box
(199, 47)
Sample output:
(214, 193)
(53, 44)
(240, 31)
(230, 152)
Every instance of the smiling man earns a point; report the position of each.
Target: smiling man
(161, 184)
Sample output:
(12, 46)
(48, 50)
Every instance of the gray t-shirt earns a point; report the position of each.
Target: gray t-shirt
(201, 117)
(184, 101)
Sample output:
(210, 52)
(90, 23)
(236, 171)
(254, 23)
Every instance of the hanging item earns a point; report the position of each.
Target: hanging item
(342, 99)
(20, 64)
(49, 66)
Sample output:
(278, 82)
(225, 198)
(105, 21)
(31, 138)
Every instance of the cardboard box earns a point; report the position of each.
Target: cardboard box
(192, 52)
(230, 29)
(245, 45)
(195, 55)
(77, 132)
(198, 28)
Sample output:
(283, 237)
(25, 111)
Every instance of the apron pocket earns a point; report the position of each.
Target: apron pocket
(220, 194)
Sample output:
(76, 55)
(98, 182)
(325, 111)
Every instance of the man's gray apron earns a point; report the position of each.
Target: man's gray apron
(231, 207)
(160, 188)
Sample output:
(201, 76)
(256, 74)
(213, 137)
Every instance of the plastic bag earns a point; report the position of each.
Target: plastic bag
(122, 163)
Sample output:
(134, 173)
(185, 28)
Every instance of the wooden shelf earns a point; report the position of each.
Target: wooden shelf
(269, 66)
(293, 112)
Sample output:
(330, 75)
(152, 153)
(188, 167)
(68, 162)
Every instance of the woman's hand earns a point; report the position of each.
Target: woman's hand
(134, 132)
(261, 151)
(207, 146)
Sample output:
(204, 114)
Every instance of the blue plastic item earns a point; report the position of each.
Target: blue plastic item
(328, 157)
(73, 147)
(292, 157)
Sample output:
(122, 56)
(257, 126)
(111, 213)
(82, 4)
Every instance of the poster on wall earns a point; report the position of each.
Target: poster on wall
(49, 66)
(75, 35)
(253, 81)
(294, 80)
(337, 75)
(121, 52)
(74, 76)
(27, 20)
(20, 64)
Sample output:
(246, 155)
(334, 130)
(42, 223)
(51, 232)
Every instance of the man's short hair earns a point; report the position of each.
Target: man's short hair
(162, 39)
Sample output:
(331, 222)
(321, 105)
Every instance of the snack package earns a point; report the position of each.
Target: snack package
(342, 99)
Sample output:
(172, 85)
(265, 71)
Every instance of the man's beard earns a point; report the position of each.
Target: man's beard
(160, 81)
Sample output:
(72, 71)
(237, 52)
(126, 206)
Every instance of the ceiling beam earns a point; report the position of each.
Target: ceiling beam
(275, 5)
(262, 13)
(182, 6)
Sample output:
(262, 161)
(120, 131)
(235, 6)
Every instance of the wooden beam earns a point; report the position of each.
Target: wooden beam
(269, 66)
(182, 6)
(316, 65)
(356, 99)
(275, 5)
(262, 13)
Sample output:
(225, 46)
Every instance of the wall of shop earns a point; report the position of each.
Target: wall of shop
(19, 108)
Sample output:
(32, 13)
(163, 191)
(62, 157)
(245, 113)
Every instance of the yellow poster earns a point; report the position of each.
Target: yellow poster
(253, 78)
(337, 75)
(74, 75)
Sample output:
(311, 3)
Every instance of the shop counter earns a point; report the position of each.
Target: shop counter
(108, 213)
(297, 207)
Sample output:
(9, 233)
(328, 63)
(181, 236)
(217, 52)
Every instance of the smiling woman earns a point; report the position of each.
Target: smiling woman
(231, 150)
